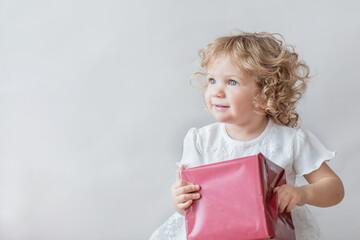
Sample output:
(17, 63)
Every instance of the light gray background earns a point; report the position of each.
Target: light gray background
(95, 102)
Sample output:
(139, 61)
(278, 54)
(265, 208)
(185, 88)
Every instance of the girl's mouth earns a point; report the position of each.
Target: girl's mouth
(220, 108)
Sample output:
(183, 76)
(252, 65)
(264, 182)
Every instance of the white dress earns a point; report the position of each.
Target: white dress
(298, 151)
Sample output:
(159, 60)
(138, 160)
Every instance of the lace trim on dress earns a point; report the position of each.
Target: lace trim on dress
(172, 229)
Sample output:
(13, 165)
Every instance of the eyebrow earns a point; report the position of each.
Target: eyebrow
(229, 75)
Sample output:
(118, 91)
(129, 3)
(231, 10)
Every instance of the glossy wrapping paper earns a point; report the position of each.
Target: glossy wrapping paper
(237, 201)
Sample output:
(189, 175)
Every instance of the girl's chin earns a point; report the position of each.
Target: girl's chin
(222, 120)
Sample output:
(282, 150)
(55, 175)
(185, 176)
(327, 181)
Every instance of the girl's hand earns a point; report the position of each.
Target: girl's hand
(181, 193)
(289, 196)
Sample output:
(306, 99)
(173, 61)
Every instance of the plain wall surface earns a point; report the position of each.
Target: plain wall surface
(95, 102)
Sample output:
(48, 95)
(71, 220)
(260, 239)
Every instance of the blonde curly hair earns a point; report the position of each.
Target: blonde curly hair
(279, 74)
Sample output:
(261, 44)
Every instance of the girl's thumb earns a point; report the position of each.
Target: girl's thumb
(182, 167)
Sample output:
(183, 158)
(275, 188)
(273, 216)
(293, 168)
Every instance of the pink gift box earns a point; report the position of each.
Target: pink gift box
(237, 201)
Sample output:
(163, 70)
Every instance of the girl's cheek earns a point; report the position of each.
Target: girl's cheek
(207, 94)
(207, 99)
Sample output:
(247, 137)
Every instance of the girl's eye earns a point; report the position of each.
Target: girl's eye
(212, 81)
(232, 82)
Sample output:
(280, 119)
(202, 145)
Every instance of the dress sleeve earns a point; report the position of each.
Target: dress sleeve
(309, 153)
(191, 155)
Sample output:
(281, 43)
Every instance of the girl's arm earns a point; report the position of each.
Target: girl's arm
(325, 189)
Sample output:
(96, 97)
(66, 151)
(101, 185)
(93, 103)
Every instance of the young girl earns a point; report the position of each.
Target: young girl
(253, 83)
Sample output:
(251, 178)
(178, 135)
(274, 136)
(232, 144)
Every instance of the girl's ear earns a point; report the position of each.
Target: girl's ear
(262, 102)
(263, 105)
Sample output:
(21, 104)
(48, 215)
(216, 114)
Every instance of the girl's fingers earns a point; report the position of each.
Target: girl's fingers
(185, 205)
(283, 202)
(180, 183)
(182, 167)
(185, 197)
(280, 189)
(291, 205)
(178, 172)
(186, 189)
(281, 207)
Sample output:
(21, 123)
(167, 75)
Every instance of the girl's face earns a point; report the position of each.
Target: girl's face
(230, 93)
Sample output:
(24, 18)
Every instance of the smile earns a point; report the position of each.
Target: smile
(220, 108)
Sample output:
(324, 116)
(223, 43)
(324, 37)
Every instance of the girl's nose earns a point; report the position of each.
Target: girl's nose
(218, 92)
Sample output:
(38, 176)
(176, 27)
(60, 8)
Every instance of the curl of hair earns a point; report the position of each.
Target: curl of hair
(280, 75)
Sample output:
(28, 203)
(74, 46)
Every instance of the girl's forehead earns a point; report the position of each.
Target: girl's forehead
(226, 65)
